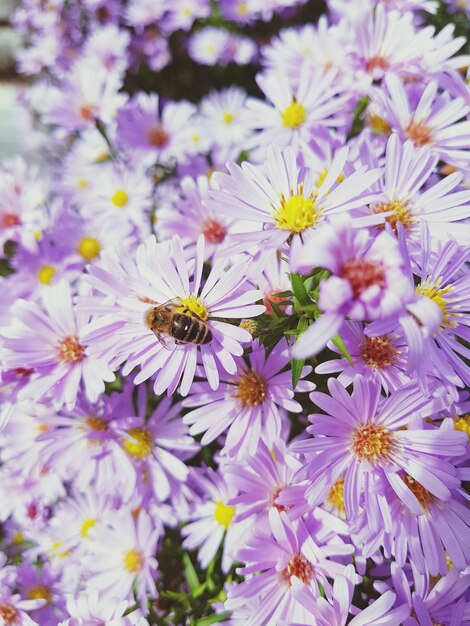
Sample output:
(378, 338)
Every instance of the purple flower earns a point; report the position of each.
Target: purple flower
(363, 433)
(248, 403)
(367, 281)
(48, 340)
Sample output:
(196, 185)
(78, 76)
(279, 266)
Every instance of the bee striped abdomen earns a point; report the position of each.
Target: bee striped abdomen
(187, 329)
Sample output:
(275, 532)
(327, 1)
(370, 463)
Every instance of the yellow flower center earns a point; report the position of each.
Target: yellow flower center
(139, 443)
(133, 561)
(463, 423)
(251, 389)
(401, 213)
(336, 496)
(294, 116)
(45, 274)
(224, 513)
(228, 118)
(18, 537)
(82, 183)
(40, 592)
(296, 213)
(379, 125)
(55, 547)
(192, 305)
(96, 423)
(89, 248)
(434, 292)
(372, 443)
(87, 525)
(120, 198)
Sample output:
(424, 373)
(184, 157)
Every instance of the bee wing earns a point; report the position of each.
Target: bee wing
(167, 342)
(174, 302)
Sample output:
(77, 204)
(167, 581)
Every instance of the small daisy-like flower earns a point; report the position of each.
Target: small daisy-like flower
(126, 332)
(213, 520)
(290, 114)
(363, 433)
(432, 121)
(407, 170)
(93, 609)
(188, 218)
(367, 282)
(43, 584)
(247, 403)
(221, 116)
(283, 561)
(122, 555)
(48, 340)
(283, 200)
(161, 136)
(382, 358)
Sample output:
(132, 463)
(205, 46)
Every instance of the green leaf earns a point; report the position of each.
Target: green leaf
(339, 343)
(283, 294)
(212, 619)
(275, 307)
(190, 574)
(297, 364)
(299, 290)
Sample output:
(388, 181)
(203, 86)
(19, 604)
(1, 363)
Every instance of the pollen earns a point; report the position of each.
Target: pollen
(401, 213)
(250, 325)
(372, 443)
(89, 248)
(437, 294)
(158, 137)
(463, 423)
(133, 561)
(139, 443)
(362, 274)
(120, 198)
(296, 213)
(425, 499)
(82, 183)
(377, 63)
(70, 350)
(299, 567)
(335, 497)
(224, 513)
(9, 614)
(87, 525)
(251, 389)
(193, 305)
(378, 352)
(419, 133)
(45, 274)
(228, 118)
(40, 592)
(294, 116)
(214, 231)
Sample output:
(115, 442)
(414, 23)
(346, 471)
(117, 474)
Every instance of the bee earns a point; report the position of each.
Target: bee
(167, 321)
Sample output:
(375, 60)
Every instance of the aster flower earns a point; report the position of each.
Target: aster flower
(187, 217)
(431, 121)
(361, 433)
(122, 555)
(291, 113)
(367, 281)
(247, 403)
(222, 116)
(42, 584)
(185, 12)
(283, 200)
(160, 136)
(212, 520)
(337, 611)
(48, 339)
(87, 95)
(285, 559)
(95, 609)
(13, 610)
(122, 332)
(407, 170)
(382, 358)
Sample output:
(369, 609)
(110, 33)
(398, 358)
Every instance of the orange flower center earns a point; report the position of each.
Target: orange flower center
(419, 133)
(372, 443)
(70, 350)
(214, 231)
(9, 614)
(299, 567)
(157, 137)
(377, 63)
(252, 389)
(362, 274)
(378, 352)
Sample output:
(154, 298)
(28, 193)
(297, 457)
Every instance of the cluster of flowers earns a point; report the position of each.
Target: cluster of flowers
(243, 323)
